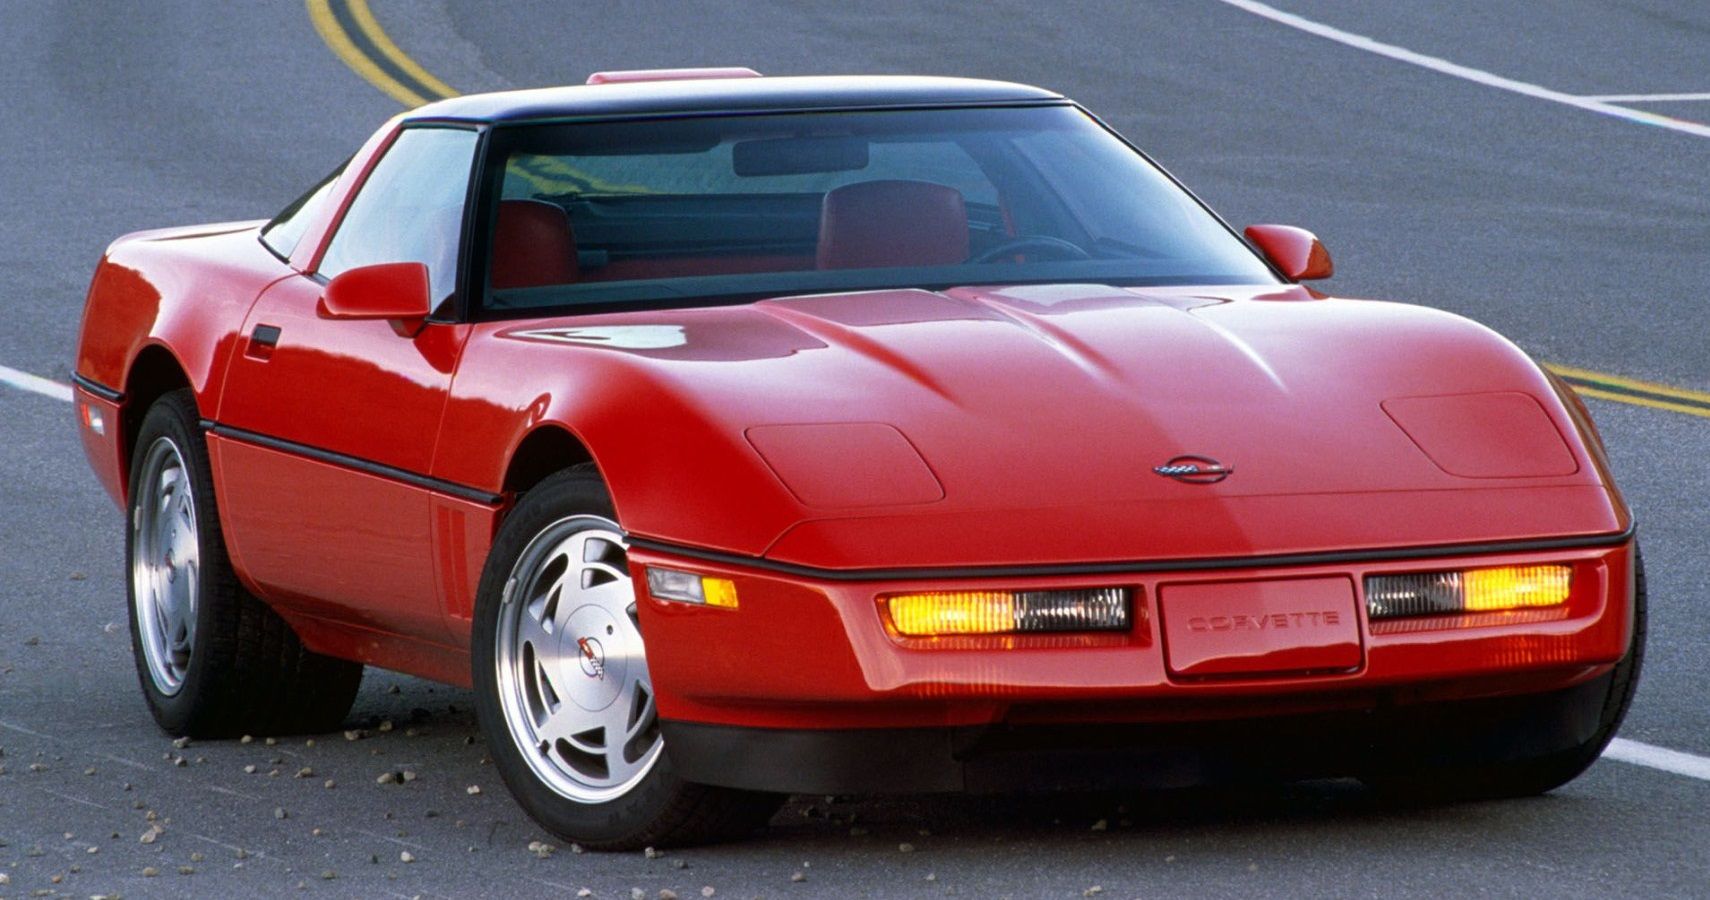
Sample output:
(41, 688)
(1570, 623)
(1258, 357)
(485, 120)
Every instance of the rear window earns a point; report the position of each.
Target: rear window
(598, 216)
(714, 171)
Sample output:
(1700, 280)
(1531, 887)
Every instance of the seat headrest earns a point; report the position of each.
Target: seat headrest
(874, 224)
(532, 245)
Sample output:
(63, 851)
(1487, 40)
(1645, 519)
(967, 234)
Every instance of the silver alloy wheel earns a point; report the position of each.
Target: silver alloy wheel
(165, 565)
(572, 674)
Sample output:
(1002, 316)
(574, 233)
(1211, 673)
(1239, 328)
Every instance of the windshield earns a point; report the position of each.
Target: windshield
(697, 211)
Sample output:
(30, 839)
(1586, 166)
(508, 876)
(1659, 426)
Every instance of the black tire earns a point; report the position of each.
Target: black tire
(247, 673)
(658, 810)
(1530, 776)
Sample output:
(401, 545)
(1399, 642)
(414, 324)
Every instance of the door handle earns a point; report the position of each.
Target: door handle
(262, 340)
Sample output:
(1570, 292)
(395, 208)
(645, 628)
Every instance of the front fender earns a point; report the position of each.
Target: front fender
(649, 442)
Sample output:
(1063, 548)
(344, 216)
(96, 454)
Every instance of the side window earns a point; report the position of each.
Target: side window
(410, 209)
(282, 234)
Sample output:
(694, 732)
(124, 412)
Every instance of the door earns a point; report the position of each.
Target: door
(326, 428)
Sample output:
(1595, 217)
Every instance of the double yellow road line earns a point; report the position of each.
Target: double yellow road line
(353, 34)
(349, 28)
(1638, 393)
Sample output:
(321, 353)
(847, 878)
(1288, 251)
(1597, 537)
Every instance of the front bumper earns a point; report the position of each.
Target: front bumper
(1158, 755)
(805, 667)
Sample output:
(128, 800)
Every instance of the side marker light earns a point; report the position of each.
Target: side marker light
(690, 587)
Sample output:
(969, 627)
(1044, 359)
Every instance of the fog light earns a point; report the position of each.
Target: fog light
(689, 587)
(1005, 612)
(1472, 590)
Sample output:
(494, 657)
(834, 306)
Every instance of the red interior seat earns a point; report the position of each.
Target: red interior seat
(874, 224)
(532, 245)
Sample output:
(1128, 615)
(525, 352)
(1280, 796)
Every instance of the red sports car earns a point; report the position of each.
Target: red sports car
(735, 436)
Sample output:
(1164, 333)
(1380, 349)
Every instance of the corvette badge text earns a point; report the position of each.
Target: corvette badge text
(1266, 622)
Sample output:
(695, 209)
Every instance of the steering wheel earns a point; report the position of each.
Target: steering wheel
(1038, 242)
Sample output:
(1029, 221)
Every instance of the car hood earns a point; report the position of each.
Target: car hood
(1041, 423)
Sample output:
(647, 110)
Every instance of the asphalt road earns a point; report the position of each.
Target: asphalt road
(1582, 236)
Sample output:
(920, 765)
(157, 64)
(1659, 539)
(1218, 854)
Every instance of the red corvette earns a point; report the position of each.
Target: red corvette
(735, 436)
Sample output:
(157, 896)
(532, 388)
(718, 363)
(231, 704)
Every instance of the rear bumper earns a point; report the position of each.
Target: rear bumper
(1004, 757)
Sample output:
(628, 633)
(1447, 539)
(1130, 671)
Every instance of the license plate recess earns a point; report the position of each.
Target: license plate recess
(1297, 626)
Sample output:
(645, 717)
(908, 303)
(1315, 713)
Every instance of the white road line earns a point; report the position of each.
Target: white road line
(1479, 76)
(248, 854)
(22, 730)
(70, 799)
(35, 384)
(229, 792)
(128, 762)
(1646, 98)
(1653, 757)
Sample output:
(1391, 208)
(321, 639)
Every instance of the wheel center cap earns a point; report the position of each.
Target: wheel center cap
(592, 658)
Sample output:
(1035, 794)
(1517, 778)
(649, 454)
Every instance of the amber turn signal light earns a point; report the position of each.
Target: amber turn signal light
(1516, 587)
(1471, 590)
(933, 613)
(689, 587)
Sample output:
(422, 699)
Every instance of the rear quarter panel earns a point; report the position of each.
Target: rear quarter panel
(183, 290)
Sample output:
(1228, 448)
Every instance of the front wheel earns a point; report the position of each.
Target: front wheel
(563, 691)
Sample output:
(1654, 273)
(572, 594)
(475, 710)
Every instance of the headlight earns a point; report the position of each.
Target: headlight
(1471, 590)
(932, 613)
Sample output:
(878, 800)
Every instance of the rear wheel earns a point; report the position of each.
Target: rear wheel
(1528, 776)
(562, 686)
(212, 660)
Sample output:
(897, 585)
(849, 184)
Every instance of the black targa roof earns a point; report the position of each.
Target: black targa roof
(737, 95)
